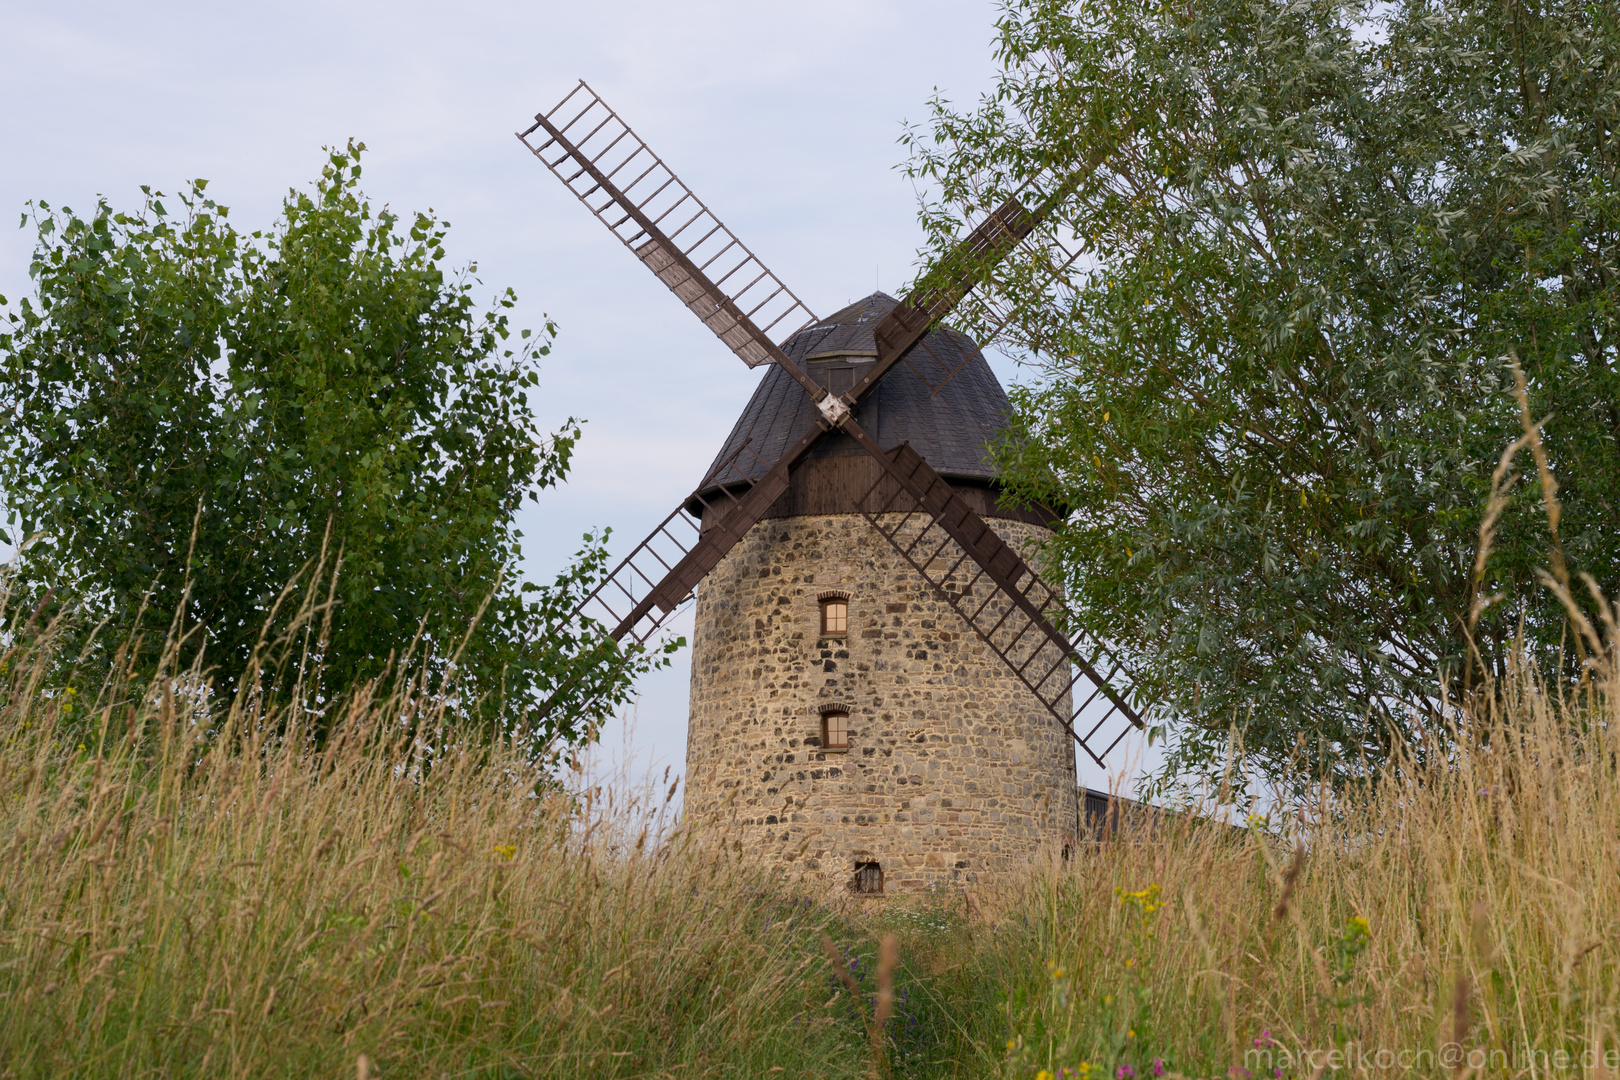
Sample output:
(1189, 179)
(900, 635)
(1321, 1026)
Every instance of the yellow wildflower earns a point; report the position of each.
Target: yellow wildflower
(1147, 899)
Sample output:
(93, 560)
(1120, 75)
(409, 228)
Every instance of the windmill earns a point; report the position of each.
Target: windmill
(928, 524)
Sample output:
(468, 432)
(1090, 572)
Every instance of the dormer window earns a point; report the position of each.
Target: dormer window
(834, 613)
(840, 369)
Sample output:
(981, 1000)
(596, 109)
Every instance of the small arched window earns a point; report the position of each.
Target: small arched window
(835, 727)
(834, 613)
(868, 877)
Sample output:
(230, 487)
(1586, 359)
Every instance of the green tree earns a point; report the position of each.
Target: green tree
(197, 419)
(1313, 237)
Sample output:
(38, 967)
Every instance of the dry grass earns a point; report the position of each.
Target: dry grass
(186, 899)
(225, 899)
(1455, 917)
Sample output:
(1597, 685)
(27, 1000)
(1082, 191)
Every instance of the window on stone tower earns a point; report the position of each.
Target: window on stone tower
(835, 729)
(868, 877)
(834, 616)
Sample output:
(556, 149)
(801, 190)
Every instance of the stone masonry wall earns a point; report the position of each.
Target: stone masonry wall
(954, 773)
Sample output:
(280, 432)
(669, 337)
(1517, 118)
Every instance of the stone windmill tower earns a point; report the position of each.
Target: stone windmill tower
(845, 719)
(883, 692)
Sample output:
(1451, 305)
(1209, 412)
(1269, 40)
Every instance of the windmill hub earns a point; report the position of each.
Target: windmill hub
(833, 409)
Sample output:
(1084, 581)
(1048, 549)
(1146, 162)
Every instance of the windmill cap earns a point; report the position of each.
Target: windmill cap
(951, 426)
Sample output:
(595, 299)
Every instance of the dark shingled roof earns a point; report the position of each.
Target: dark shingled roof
(950, 429)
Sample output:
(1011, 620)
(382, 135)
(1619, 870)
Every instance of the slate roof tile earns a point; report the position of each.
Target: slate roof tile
(950, 429)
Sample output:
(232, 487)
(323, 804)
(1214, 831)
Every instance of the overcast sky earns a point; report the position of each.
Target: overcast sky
(784, 118)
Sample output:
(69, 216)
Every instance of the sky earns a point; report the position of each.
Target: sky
(784, 118)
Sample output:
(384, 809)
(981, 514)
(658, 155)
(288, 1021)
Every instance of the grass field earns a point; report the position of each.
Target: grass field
(181, 899)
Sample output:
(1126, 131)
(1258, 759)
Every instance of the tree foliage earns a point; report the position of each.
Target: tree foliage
(1314, 238)
(197, 419)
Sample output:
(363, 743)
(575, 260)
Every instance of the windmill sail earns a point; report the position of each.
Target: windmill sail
(642, 202)
(630, 190)
(997, 593)
(637, 598)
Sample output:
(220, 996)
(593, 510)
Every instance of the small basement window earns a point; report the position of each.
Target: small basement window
(868, 877)
(835, 728)
(834, 614)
